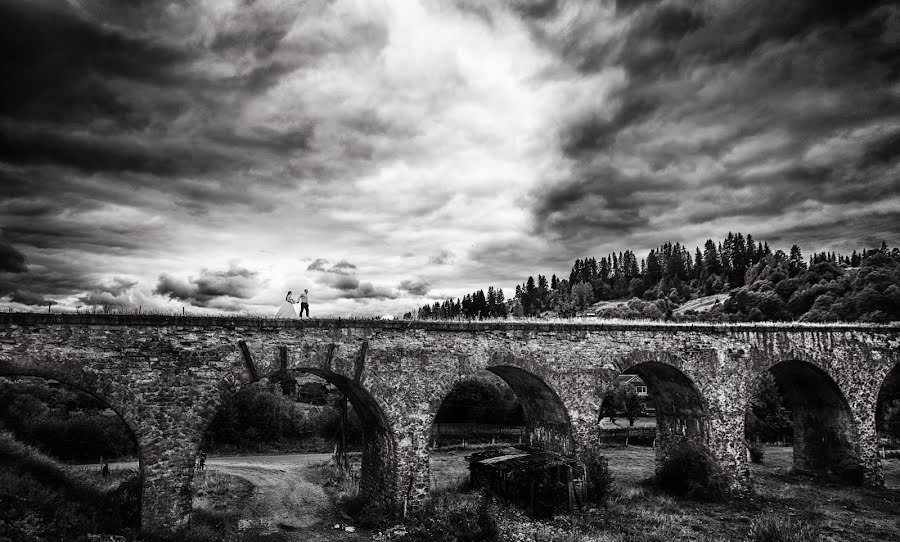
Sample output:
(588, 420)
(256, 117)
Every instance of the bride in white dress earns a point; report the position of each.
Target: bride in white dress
(286, 310)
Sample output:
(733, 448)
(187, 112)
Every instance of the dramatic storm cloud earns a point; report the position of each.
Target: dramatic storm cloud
(218, 153)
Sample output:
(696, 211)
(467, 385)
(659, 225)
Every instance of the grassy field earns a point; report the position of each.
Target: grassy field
(636, 512)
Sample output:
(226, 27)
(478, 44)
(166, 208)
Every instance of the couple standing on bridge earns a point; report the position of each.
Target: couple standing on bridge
(286, 310)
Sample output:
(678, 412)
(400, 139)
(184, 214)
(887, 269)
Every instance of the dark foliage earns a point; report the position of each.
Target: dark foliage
(41, 499)
(690, 471)
(762, 285)
(63, 422)
(260, 415)
(757, 451)
(598, 479)
(767, 418)
(453, 517)
(476, 305)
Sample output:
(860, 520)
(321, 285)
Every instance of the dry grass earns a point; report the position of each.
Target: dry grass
(349, 319)
(801, 508)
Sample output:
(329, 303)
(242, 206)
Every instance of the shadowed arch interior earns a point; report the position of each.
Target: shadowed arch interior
(887, 406)
(681, 411)
(546, 419)
(378, 475)
(824, 431)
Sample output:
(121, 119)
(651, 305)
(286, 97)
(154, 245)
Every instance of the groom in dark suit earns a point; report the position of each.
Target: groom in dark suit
(304, 303)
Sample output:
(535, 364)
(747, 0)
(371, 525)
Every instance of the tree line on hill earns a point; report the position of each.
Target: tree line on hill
(761, 284)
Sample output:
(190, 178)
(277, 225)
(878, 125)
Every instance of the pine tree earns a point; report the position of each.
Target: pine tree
(530, 297)
(699, 270)
(796, 264)
(711, 262)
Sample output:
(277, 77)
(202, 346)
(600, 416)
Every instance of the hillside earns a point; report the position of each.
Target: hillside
(42, 499)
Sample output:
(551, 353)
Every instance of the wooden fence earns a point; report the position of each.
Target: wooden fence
(444, 434)
(628, 435)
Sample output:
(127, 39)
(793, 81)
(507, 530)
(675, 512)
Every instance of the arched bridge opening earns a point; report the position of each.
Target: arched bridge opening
(378, 467)
(547, 423)
(887, 420)
(824, 432)
(306, 408)
(53, 431)
(533, 415)
(680, 411)
(480, 409)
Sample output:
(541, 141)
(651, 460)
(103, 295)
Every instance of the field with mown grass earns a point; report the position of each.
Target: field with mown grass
(784, 507)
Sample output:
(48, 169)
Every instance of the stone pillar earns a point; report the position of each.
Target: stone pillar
(167, 468)
(378, 479)
(727, 444)
(413, 470)
(869, 460)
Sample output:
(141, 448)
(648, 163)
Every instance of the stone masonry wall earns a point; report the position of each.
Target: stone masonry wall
(162, 374)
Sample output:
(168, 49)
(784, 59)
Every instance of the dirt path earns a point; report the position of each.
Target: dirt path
(285, 500)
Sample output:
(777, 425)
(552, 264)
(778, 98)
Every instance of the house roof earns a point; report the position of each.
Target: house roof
(519, 459)
(630, 379)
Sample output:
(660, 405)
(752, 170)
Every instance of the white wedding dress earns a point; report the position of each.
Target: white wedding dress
(286, 310)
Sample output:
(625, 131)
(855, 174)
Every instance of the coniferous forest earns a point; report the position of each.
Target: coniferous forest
(741, 279)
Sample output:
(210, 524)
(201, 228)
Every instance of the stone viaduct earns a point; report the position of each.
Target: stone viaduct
(163, 376)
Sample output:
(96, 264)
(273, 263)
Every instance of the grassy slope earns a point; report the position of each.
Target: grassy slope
(42, 499)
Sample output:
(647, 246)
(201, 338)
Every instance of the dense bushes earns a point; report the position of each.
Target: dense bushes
(757, 451)
(690, 471)
(767, 418)
(65, 423)
(825, 292)
(453, 517)
(41, 499)
(598, 479)
(259, 415)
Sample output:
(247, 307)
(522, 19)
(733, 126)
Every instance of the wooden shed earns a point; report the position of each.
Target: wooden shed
(541, 482)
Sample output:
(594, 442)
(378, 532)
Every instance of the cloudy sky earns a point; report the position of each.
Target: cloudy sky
(214, 154)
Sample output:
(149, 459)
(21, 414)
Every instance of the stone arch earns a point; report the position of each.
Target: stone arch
(378, 477)
(547, 421)
(104, 390)
(682, 411)
(825, 432)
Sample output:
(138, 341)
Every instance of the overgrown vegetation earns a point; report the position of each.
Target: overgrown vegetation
(41, 499)
(622, 399)
(761, 283)
(598, 480)
(261, 418)
(691, 471)
(449, 517)
(63, 422)
(767, 418)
